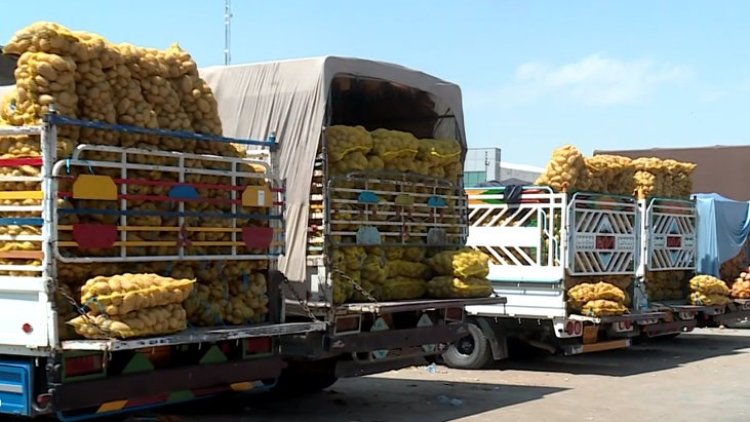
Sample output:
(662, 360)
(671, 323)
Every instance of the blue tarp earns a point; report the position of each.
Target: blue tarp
(723, 228)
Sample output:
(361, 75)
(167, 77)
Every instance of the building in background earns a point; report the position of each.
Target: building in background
(481, 165)
(519, 173)
(721, 169)
(7, 66)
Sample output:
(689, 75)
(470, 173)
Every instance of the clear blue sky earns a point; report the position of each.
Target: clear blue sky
(535, 75)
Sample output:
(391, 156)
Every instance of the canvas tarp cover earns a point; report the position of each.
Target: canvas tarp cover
(723, 227)
(292, 99)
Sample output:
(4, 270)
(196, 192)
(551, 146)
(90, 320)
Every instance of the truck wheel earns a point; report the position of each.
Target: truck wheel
(302, 378)
(470, 352)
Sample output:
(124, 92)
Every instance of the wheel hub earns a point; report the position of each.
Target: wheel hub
(465, 346)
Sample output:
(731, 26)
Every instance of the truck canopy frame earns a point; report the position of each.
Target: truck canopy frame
(297, 99)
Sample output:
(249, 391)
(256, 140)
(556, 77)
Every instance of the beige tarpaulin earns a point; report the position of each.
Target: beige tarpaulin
(296, 99)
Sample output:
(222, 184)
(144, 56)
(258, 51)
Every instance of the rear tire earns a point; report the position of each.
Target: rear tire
(470, 352)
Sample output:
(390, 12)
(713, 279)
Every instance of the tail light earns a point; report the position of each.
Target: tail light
(349, 324)
(454, 314)
(76, 366)
(574, 328)
(624, 325)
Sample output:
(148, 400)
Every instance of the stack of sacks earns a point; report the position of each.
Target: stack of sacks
(407, 276)
(663, 178)
(708, 290)
(741, 285)
(666, 285)
(645, 177)
(611, 174)
(566, 171)
(353, 148)
(87, 77)
(243, 297)
(729, 269)
(388, 272)
(599, 299)
(461, 274)
(132, 305)
(383, 273)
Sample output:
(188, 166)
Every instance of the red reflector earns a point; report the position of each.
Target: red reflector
(258, 345)
(347, 324)
(455, 314)
(82, 365)
(27, 328)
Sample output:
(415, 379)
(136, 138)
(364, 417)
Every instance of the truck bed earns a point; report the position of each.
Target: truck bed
(197, 335)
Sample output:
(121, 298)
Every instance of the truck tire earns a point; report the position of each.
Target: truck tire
(303, 378)
(470, 352)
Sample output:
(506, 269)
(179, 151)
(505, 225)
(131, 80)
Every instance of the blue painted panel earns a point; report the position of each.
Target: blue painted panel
(15, 388)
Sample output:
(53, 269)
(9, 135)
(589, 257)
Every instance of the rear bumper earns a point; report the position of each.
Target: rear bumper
(577, 349)
(668, 328)
(87, 394)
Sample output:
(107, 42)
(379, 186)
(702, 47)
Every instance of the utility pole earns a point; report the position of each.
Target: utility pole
(227, 30)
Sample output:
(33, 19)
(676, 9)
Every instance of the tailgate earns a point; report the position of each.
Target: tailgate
(26, 311)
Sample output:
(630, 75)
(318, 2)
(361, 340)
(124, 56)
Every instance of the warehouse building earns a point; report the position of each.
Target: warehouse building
(719, 169)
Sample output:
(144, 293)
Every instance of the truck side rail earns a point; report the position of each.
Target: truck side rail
(522, 235)
(603, 231)
(79, 211)
(669, 234)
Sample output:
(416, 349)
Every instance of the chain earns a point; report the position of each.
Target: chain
(84, 315)
(302, 303)
(356, 285)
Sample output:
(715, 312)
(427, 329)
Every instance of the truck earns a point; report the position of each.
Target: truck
(541, 242)
(680, 236)
(667, 260)
(45, 371)
(147, 207)
(681, 239)
(299, 100)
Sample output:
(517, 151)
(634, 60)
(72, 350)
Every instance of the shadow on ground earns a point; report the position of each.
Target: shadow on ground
(377, 400)
(655, 355)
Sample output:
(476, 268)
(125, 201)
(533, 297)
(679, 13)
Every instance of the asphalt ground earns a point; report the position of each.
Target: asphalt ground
(697, 376)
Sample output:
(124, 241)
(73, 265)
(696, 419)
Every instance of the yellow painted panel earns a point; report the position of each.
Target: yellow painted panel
(22, 194)
(242, 386)
(605, 345)
(112, 406)
(91, 186)
(257, 196)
